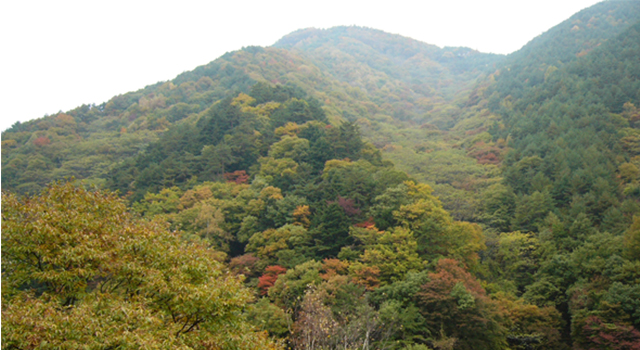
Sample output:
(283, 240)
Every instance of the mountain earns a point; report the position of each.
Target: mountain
(129, 122)
(380, 190)
(360, 55)
(565, 43)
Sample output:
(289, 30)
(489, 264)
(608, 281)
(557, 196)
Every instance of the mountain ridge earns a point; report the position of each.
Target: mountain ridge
(512, 210)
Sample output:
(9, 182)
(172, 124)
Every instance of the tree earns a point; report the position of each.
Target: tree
(315, 324)
(266, 316)
(454, 303)
(290, 147)
(531, 327)
(532, 210)
(286, 246)
(394, 254)
(216, 157)
(79, 270)
(516, 258)
(331, 231)
(595, 333)
(632, 240)
(290, 287)
(498, 207)
(335, 315)
(269, 278)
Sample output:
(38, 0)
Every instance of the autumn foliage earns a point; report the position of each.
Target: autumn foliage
(238, 177)
(268, 279)
(79, 270)
(455, 302)
(597, 334)
(42, 141)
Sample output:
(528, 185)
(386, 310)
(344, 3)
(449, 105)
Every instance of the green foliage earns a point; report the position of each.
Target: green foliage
(287, 246)
(290, 287)
(330, 231)
(464, 299)
(524, 238)
(268, 317)
(394, 254)
(538, 61)
(80, 270)
(632, 240)
(454, 302)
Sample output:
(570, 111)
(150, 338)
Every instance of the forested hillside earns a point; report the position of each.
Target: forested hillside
(356, 189)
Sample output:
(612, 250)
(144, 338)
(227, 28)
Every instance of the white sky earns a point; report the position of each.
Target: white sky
(57, 55)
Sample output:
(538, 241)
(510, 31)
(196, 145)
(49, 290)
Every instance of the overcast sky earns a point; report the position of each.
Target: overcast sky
(57, 55)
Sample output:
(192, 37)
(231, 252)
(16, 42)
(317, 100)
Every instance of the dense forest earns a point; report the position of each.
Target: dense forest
(343, 189)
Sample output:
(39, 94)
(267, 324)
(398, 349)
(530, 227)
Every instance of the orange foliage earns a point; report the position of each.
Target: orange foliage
(238, 176)
(41, 141)
(367, 224)
(269, 278)
(475, 131)
(64, 120)
(448, 273)
(333, 267)
(486, 154)
(366, 276)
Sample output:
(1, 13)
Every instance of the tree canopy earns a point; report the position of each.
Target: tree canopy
(79, 270)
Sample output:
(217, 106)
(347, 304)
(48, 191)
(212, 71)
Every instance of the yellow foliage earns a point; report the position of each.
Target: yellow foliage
(466, 241)
(335, 164)
(255, 207)
(393, 255)
(411, 215)
(629, 172)
(242, 100)
(195, 195)
(107, 278)
(302, 214)
(289, 129)
(265, 109)
(272, 193)
(9, 144)
(420, 190)
(271, 167)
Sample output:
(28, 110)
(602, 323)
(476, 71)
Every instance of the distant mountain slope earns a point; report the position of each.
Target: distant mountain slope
(572, 175)
(87, 142)
(564, 43)
(367, 58)
(574, 134)
(409, 60)
(564, 105)
(412, 100)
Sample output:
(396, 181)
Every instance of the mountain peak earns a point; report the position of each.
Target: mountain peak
(394, 44)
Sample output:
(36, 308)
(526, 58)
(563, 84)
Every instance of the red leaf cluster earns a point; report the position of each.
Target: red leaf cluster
(367, 224)
(601, 335)
(41, 141)
(238, 176)
(486, 154)
(348, 205)
(268, 279)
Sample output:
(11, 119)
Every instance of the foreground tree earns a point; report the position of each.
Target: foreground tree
(78, 270)
(454, 304)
